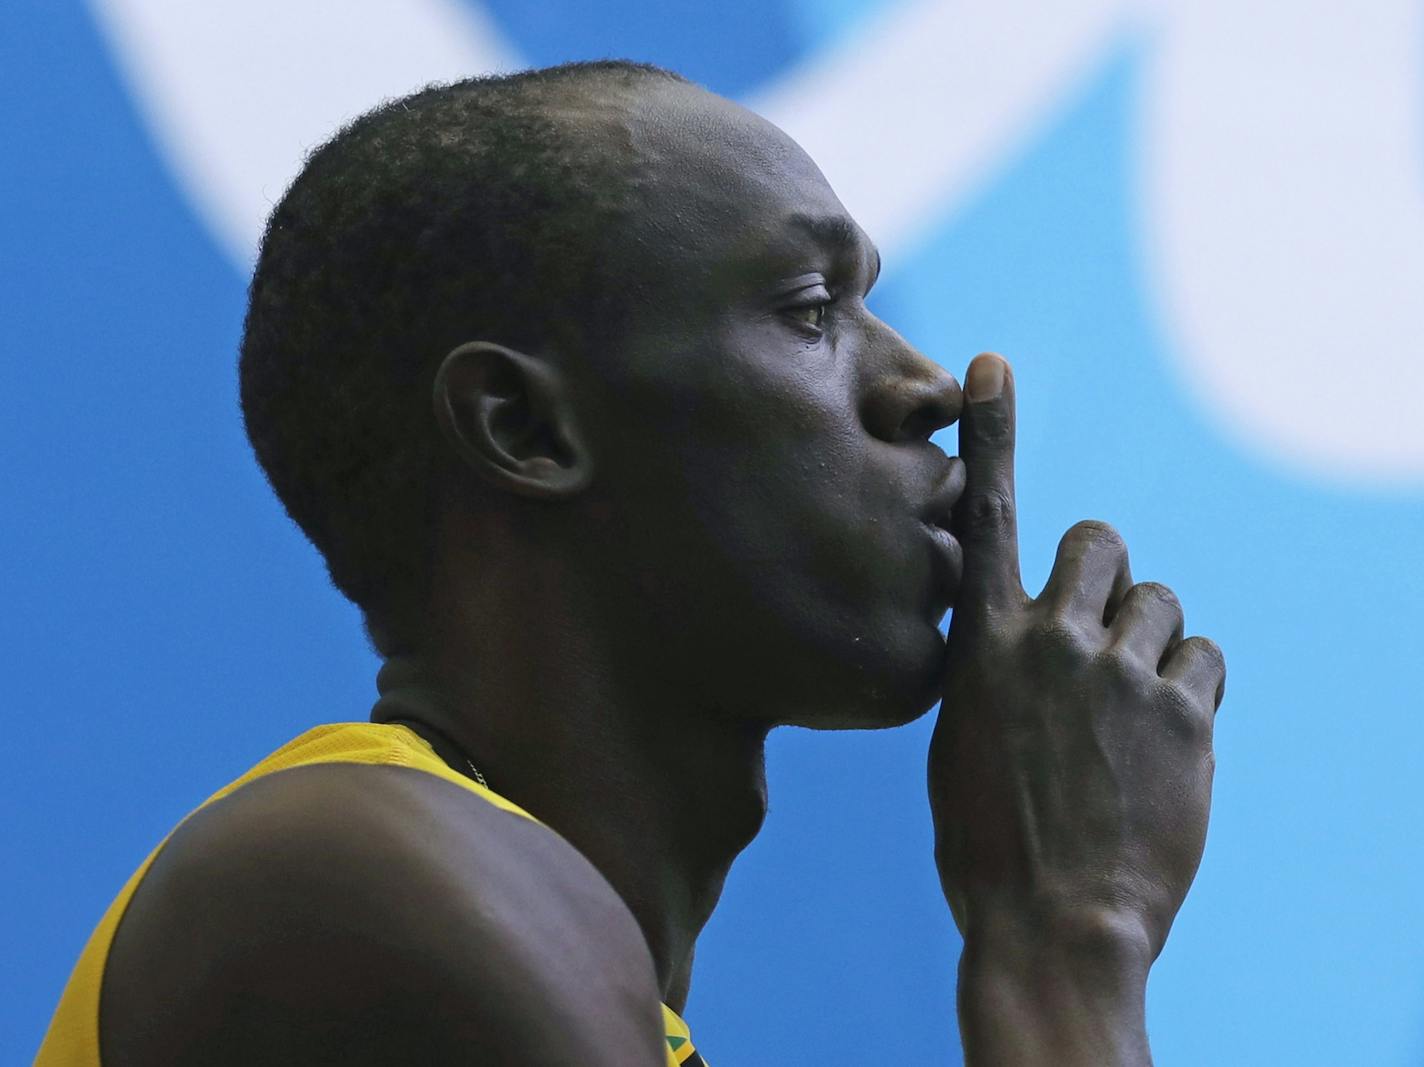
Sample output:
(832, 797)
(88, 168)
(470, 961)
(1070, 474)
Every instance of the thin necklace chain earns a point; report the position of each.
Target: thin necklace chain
(475, 772)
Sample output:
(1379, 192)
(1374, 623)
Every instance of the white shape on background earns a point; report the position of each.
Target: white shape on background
(1283, 193)
(1284, 210)
(926, 103)
(236, 94)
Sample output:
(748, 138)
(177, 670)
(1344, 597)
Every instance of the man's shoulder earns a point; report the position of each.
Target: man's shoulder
(368, 914)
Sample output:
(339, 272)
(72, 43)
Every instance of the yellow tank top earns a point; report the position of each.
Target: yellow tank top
(73, 1036)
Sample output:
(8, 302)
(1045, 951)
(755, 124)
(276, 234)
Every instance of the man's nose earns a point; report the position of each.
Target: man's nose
(913, 397)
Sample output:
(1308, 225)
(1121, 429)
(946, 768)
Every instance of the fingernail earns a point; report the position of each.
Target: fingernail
(985, 379)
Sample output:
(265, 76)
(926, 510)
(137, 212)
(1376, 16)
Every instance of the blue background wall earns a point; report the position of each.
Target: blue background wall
(164, 627)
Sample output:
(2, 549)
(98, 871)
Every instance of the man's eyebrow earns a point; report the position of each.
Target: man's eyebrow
(837, 232)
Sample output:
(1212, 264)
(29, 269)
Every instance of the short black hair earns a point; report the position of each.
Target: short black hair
(464, 211)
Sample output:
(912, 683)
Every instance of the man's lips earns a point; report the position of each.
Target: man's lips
(948, 558)
(941, 503)
(936, 518)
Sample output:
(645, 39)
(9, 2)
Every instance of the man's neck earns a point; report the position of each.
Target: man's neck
(658, 794)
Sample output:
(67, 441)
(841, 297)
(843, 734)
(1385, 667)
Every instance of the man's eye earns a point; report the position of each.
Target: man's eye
(809, 314)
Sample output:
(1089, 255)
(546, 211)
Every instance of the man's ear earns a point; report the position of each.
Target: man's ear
(508, 418)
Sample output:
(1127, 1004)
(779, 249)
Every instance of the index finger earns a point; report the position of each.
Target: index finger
(985, 519)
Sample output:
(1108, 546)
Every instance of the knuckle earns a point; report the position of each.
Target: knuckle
(1210, 654)
(992, 425)
(1160, 594)
(1183, 714)
(987, 513)
(1062, 646)
(1092, 533)
(1121, 668)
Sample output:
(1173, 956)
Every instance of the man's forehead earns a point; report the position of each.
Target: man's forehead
(701, 160)
(674, 119)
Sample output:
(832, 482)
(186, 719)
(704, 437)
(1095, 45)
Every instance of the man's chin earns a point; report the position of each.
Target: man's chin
(882, 707)
(862, 718)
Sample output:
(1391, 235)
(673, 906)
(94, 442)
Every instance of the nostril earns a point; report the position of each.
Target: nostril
(935, 411)
(920, 423)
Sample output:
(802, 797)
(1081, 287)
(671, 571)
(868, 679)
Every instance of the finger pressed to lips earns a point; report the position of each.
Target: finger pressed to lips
(985, 520)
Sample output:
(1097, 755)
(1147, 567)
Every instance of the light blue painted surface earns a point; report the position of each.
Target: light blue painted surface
(164, 627)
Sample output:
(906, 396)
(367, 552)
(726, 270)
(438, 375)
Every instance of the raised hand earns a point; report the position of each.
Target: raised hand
(1069, 772)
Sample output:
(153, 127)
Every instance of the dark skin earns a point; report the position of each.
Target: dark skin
(648, 558)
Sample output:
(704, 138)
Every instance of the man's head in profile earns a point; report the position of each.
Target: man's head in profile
(577, 364)
(571, 378)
